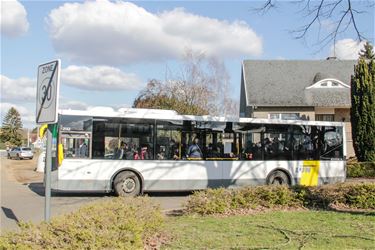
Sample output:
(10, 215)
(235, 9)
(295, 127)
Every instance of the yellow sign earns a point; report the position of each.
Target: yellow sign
(60, 154)
(42, 130)
(310, 173)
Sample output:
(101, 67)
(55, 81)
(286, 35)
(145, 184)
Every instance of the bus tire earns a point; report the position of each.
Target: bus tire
(278, 177)
(127, 184)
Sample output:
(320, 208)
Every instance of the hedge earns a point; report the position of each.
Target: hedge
(220, 201)
(111, 224)
(361, 169)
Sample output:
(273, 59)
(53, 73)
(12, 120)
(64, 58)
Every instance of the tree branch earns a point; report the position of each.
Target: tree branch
(326, 10)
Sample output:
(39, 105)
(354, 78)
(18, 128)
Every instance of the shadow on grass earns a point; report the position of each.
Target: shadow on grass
(365, 212)
(175, 213)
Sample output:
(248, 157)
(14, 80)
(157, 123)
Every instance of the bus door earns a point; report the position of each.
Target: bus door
(76, 144)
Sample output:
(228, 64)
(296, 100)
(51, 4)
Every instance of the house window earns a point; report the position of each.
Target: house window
(325, 117)
(284, 116)
(328, 83)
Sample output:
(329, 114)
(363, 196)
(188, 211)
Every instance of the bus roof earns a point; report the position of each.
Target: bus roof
(159, 114)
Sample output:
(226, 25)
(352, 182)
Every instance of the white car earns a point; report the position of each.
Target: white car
(20, 153)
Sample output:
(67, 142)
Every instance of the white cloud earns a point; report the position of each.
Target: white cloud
(13, 18)
(65, 103)
(347, 49)
(27, 113)
(104, 32)
(99, 78)
(21, 89)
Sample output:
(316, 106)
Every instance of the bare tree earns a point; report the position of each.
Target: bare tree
(341, 15)
(205, 80)
(200, 87)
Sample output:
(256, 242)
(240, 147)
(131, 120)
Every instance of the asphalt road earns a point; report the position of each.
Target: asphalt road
(22, 196)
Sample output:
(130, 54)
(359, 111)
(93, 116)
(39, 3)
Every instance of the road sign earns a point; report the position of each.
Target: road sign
(47, 97)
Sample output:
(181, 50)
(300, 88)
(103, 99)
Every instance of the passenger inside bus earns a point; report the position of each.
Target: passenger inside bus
(144, 153)
(173, 150)
(120, 152)
(194, 150)
(82, 150)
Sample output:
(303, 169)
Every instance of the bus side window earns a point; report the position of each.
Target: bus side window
(168, 138)
(76, 147)
(276, 146)
(332, 145)
(252, 146)
(303, 147)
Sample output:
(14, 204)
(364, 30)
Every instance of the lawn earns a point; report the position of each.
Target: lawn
(273, 230)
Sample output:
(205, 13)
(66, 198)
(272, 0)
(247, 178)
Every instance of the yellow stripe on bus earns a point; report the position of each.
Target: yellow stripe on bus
(310, 173)
(60, 154)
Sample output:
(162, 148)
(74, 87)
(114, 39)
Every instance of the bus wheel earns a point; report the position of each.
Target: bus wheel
(127, 184)
(278, 178)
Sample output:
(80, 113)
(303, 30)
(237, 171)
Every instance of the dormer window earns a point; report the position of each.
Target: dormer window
(328, 83)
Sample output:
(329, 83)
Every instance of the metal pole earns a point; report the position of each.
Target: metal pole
(28, 137)
(47, 175)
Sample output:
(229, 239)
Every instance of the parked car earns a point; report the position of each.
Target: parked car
(20, 153)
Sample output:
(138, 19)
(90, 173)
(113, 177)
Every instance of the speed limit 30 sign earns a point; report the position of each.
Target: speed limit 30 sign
(47, 96)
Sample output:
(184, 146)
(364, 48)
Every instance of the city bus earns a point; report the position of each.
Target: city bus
(131, 151)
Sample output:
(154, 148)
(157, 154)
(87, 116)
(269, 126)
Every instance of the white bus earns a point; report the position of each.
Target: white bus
(137, 150)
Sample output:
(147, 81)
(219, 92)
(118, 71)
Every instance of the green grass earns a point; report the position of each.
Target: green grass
(276, 230)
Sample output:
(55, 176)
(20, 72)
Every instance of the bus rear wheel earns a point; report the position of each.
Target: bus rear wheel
(278, 178)
(127, 184)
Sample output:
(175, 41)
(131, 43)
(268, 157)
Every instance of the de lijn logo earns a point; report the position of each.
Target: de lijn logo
(48, 85)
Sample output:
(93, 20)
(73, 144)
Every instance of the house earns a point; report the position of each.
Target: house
(298, 89)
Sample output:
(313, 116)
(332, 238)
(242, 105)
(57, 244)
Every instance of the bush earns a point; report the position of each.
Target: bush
(210, 201)
(361, 169)
(219, 201)
(361, 196)
(352, 195)
(115, 224)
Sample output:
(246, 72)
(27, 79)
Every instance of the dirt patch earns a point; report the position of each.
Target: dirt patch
(360, 180)
(156, 241)
(345, 209)
(22, 171)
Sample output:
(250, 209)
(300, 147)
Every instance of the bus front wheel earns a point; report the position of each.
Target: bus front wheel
(127, 184)
(278, 178)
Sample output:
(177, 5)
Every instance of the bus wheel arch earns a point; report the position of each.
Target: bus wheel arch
(127, 183)
(279, 177)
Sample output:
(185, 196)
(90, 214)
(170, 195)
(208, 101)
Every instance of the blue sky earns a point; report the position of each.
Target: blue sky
(107, 62)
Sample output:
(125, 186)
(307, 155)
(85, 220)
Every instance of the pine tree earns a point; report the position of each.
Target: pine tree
(367, 52)
(363, 109)
(10, 130)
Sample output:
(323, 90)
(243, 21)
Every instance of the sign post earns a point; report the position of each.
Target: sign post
(46, 113)
(47, 176)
